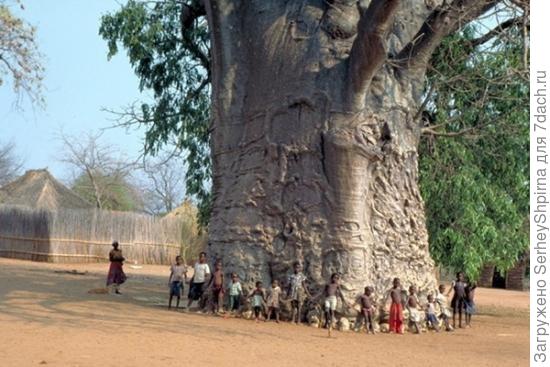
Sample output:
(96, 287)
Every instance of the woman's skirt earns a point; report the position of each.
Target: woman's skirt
(116, 274)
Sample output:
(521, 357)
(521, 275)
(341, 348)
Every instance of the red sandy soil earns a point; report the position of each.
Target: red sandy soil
(48, 318)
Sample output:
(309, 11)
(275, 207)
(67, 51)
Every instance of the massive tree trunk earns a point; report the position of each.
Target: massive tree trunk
(315, 137)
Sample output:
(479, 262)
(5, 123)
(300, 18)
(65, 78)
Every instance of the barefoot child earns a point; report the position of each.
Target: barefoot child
(470, 304)
(414, 312)
(431, 318)
(258, 299)
(458, 302)
(216, 283)
(178, 275)
(332, 292)
(201, 272)
(441, 301)
(273, 300)
(235, 293)
(396, 308)
(367, 309)
(297, 292)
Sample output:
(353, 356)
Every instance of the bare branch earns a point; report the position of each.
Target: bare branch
(441, 22)
(103, 166)
(163, 186)
(497, 30)
(430, 131)
(522, 4)
(20, 59)
(10, 164)
(368, 51)
(424, 102)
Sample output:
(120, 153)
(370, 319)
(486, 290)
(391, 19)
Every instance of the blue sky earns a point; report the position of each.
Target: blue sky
(79, 82)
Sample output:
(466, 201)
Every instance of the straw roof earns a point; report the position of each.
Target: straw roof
(39, 189)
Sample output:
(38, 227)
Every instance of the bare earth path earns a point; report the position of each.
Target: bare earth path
(49, 319)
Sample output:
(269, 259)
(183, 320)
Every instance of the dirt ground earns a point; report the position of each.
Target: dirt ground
(48, 318)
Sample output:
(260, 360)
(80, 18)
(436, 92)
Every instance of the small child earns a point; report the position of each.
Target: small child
(273, 299)
(367, 309)
(178, 274)
(216, 283)
(297, 292)
(470, 304)
(458, 302)
(412, 306)
(396, 308)
(235, 293)
(431, 318)
(444, 313)
(258, 299)
(331, 293)
(201, 272)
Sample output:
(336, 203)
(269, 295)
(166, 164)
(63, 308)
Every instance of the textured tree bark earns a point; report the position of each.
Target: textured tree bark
(314, 150)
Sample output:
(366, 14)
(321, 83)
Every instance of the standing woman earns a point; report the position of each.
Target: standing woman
(458, 302)
(116, 275)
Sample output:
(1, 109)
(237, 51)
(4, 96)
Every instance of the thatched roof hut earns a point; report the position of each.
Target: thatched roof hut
(39, 189)
(185, 210)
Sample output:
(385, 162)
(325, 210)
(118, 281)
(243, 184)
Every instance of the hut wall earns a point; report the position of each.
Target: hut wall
(85, 235)
(486, 276)
(515, 276)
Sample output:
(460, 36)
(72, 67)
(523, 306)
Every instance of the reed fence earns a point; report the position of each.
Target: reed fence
(85, 235)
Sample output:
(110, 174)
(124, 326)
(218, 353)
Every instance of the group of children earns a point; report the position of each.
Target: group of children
(297, 292)
(436, 307)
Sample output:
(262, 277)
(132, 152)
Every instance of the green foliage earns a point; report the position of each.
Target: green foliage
(474, 170)
(115, 193)
(170, 58)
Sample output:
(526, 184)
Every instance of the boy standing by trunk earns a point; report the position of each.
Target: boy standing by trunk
(201, 273)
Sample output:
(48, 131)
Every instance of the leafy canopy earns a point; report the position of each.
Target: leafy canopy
(474, 160)
(169, 54)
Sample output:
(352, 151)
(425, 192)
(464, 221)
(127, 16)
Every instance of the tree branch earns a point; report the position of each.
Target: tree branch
(441, 22)
(368, 51)
(496, 31)
(430, 131)
(188, 15)
(522, 4)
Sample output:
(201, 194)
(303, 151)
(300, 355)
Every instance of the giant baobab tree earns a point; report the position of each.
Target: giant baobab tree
(315, 134)
(316, 116)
